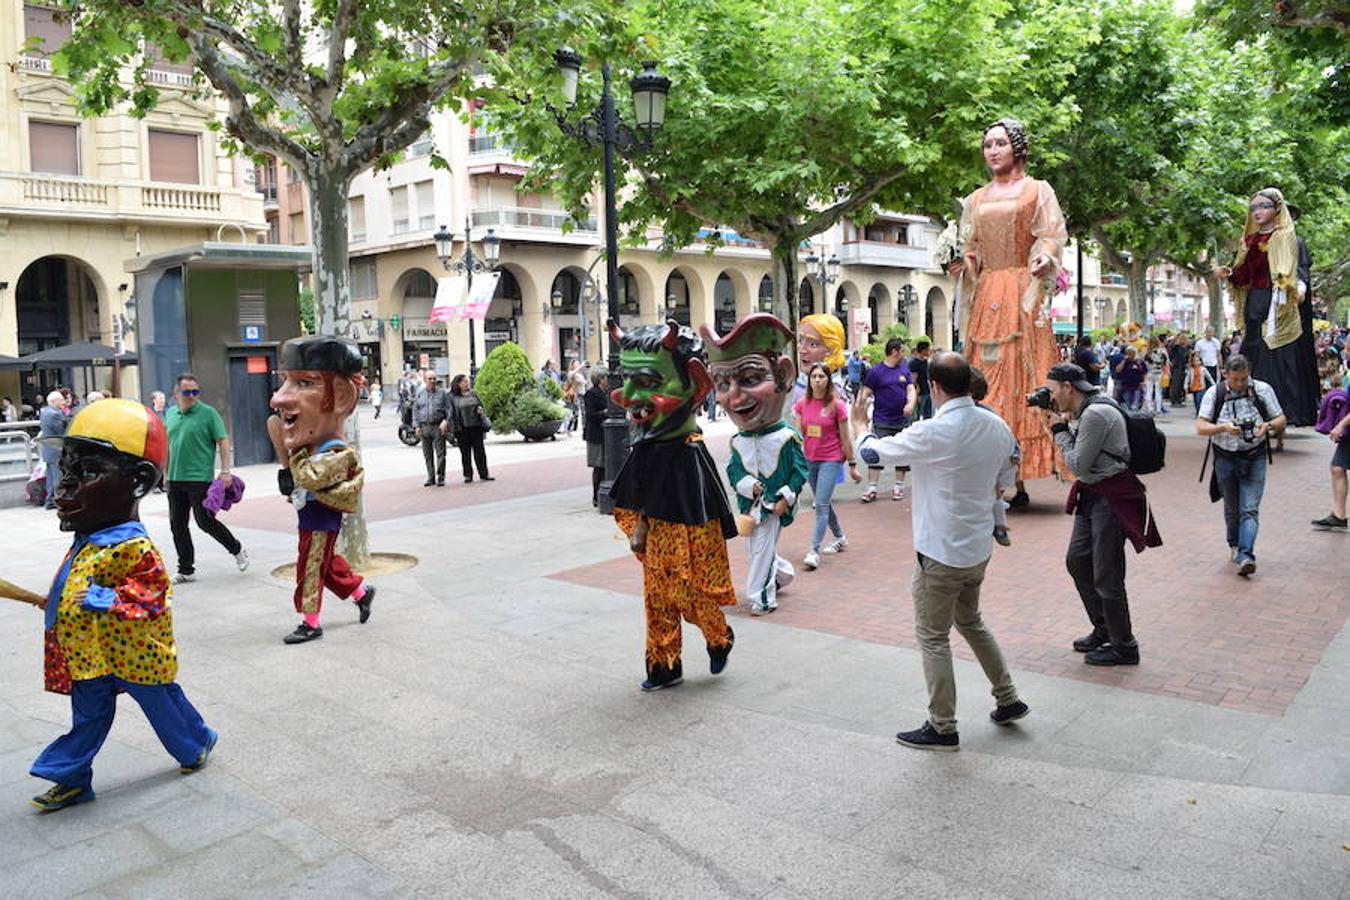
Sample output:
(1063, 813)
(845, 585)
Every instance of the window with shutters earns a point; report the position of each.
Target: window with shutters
(174, 157)
(426, 204)
(41, 25)
(356, 218)
(398, 210)
(54, 147)
(362, 276)
(297, 228)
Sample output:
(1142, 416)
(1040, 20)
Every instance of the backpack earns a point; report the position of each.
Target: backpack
(1148, 445)
(1334, 407)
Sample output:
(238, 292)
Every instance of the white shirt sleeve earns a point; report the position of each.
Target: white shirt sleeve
(898, 449)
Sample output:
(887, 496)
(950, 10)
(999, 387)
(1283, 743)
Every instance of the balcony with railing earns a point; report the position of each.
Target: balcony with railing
(515, 217)
(885, 253)
(486, 142)
(67, 196)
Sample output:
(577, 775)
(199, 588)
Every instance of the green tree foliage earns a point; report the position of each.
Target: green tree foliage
(778, 129)
(331, 87)
(505, 375)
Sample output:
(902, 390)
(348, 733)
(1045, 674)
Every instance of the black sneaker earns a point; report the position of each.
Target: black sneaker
(717, 656)
(659, 677)
(430, 482)
(1019, 500)
(928, 738)
(60, 796)
(364, 604)
(1331, 523)
(303, 633)
(1006, 715)
(1089, 642)
(1111, 655)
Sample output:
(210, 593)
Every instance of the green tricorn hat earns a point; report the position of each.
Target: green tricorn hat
(756, 333)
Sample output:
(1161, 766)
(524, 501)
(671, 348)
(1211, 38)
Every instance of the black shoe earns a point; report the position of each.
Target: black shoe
(658, 677)
(303, 633)
(430, 482)
(1089, 642)
(364, 604)
(1019, 500)
(928, 738)
(1006, 715)
(717, 656)
(60, 796)
(486, 478)
(469, 480)
(440, 482)
(1111, 655)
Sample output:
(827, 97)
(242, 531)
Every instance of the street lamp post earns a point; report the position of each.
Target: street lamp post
(467, 265)
(823, 272)
(907, 295)
(603, 126)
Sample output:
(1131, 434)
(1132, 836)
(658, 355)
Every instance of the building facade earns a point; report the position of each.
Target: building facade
(81, 196)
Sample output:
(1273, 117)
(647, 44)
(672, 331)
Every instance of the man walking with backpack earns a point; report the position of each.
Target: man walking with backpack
(1108, 503)
(1238, 415)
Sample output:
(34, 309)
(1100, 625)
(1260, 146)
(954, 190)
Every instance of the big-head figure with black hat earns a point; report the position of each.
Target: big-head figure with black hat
(668, 496)
(321, 383)
(109, 626)
(753, 376)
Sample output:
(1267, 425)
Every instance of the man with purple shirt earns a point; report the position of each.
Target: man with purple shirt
(890, 386)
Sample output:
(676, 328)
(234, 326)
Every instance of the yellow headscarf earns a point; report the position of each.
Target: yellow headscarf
(831, 332)
(1282, 254)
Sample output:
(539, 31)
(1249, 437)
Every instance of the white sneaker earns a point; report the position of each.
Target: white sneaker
(898, 492)
(758, 610)
(183, 578)
(839, 546)
(241, 560)
(812, 561)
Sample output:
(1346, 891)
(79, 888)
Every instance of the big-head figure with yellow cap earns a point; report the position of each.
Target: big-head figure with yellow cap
(109, 625)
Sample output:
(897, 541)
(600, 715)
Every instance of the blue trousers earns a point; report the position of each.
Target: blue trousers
(1242, 481)
(68, 760)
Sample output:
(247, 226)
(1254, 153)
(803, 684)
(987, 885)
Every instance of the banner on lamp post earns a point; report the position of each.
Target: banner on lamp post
(449, 294)
(480, 296)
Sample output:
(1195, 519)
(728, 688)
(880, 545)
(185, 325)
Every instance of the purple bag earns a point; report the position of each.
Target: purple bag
(1334, 407)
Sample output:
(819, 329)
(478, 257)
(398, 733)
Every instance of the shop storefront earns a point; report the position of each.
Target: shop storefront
(425, 346)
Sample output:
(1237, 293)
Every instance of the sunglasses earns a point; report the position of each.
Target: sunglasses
(195, 392)
(1262, 206)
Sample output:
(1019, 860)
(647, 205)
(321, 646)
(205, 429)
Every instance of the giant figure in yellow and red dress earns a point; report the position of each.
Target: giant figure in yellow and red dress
(109, 625)
(669, 500)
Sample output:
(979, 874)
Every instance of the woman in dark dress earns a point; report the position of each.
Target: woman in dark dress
(470, 427)
(594, 403)
(1267, 294)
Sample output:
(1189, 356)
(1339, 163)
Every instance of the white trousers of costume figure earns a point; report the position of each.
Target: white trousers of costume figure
(768, 570)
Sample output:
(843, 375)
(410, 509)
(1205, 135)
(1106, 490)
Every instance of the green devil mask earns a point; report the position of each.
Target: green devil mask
(665, 375)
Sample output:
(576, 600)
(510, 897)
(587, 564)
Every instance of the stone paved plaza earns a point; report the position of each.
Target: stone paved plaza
(483, 735)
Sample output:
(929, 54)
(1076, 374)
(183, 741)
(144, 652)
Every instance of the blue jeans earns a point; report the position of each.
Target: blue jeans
(1242, 481)
(93, 703)
(823, 476)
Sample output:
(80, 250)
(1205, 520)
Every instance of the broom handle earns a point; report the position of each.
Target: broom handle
(14, 592)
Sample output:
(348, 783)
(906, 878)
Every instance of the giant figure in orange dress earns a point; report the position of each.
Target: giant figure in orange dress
(1016, 236)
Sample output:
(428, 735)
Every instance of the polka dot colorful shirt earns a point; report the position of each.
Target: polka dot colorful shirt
(114, 618)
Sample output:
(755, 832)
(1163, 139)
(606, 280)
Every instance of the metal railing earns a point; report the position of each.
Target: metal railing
(521, 217)
(18, 450)
(487, 143)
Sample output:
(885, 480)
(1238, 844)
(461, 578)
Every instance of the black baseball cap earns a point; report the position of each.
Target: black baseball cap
(1074, 375)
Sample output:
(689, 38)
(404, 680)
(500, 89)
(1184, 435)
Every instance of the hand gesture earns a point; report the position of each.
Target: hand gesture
(956, 267)
(1043, 264)
(855, 474)
(780, 508)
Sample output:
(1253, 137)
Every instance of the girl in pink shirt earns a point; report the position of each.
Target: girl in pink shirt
(828, 444)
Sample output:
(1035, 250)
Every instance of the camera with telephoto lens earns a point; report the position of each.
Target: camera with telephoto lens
(1248, 429)
(1041, 398)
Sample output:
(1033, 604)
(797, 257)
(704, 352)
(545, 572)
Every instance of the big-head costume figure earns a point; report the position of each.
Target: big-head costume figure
(820, 339)
(109, 627)
(753, 377)
(668, 497)
(321, 384)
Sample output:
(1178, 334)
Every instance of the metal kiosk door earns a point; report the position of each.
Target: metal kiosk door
(251, 385)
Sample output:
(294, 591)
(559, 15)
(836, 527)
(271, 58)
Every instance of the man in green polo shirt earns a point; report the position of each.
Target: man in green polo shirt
(196, 434)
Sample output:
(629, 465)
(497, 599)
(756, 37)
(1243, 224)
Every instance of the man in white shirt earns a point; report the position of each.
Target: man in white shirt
(1238, 415)
(959, 458)
(1210, 351)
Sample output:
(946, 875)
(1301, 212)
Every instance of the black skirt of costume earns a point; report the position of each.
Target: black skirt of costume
(674, 480)
(1286, 369)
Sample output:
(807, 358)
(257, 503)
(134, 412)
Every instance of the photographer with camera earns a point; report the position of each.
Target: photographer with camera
(1108, 504)
(1238, 415)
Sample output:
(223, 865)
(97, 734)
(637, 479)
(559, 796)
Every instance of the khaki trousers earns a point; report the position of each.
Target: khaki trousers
(945, 596)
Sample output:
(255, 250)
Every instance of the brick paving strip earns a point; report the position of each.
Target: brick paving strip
(1206, 634)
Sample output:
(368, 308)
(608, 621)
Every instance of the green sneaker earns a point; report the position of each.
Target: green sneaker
(60, 796)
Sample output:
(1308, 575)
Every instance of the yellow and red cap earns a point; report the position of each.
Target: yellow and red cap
(124, 425)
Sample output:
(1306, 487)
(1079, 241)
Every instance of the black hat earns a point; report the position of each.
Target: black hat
(1074, 375)
(321, 353)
